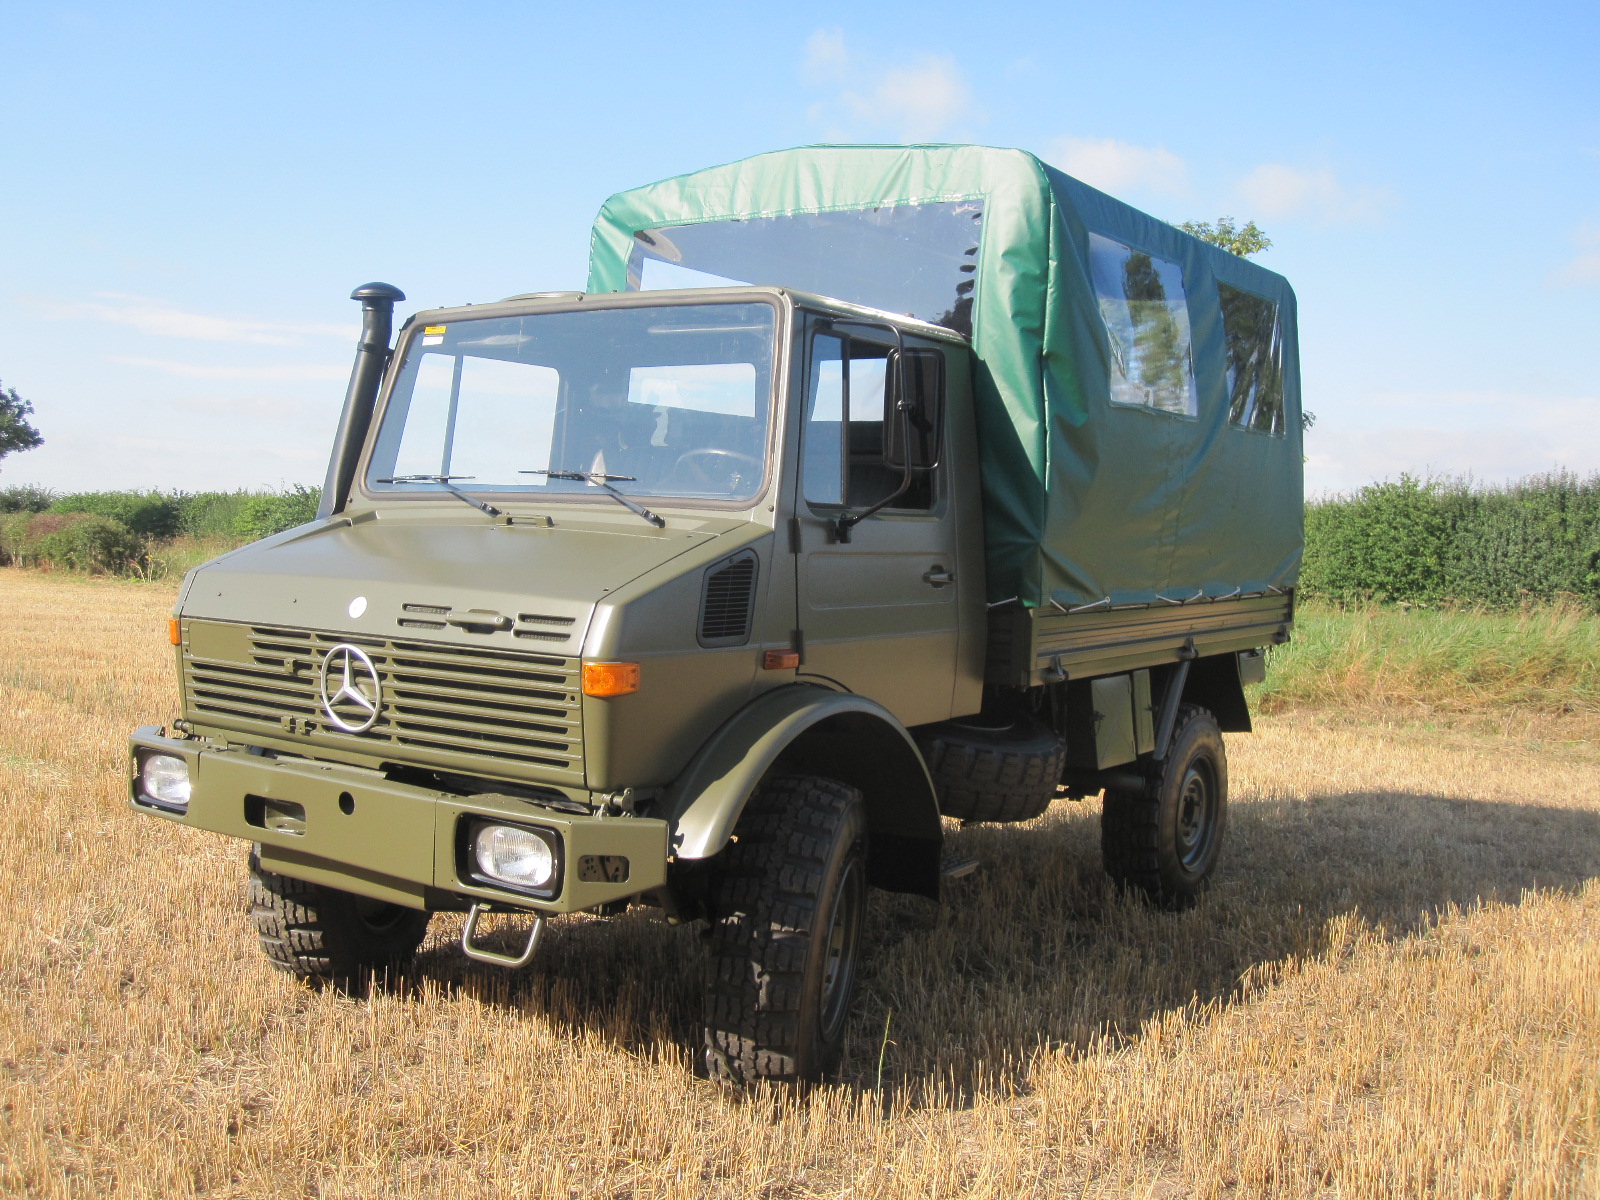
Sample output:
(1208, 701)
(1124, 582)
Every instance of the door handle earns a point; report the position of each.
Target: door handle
(938, 577)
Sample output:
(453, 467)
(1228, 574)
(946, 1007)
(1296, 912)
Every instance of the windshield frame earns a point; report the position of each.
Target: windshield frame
(581, 494)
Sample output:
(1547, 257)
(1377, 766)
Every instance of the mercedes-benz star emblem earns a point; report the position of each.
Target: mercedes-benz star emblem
(351, 690)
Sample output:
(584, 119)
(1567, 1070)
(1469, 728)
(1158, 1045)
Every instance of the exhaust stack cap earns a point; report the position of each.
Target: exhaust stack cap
(378, 291)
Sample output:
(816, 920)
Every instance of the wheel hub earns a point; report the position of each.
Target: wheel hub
(1196, 814)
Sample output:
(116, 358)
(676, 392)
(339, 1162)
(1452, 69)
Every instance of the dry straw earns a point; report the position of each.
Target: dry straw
(1391, 992)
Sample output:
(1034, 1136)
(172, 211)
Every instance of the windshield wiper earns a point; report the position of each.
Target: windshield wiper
(602, 480)
(444, 482)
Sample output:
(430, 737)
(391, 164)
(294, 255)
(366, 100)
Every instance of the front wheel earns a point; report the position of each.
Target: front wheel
(1164, 840)
(787, 908)
(325, 936)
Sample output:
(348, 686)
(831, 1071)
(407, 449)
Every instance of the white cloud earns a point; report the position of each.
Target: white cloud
(196, 456)
(1119, 167)
(916, 99)
(158, 319)
(826, 59)
(1491, 436)
(278, 409)
(1275, 190)
(304, 372)
(1584, 267)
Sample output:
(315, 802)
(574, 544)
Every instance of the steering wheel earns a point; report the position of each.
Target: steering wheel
(701, 470)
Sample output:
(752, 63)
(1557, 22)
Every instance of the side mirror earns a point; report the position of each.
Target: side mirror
(914, 424)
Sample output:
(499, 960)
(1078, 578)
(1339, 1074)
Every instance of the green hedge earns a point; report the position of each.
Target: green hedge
(26, 498)
(263, 516)
(77, 541)
(149, 514)
(1427, 541)
(208, 515)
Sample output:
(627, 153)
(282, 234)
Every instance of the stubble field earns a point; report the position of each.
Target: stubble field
(1393, 990)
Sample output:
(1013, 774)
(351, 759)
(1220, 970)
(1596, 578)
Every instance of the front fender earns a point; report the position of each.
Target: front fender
(812, 730)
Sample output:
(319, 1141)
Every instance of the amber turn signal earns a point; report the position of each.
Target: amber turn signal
(174, 632)
(610, 678)
(780, 660)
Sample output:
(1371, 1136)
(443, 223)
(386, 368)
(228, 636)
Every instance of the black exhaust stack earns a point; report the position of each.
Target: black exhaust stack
(372, 355)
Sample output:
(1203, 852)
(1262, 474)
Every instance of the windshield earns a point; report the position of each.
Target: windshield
(664, 402)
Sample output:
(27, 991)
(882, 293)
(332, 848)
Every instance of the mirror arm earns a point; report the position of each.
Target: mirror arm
(846, 521)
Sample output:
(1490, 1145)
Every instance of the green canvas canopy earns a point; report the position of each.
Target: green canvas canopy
(1137, 389)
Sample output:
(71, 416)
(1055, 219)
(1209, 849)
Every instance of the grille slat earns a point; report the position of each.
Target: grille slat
(441, 705)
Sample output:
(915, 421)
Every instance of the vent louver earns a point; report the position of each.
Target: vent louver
(727, 601)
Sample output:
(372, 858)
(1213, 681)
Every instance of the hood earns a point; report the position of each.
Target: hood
(524, 586)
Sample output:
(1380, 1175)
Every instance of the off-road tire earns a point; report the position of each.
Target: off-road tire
(1005, 772)
(1164, 840)
(786, 914)
(328, 937)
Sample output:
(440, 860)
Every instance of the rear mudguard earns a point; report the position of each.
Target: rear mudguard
(814, 731)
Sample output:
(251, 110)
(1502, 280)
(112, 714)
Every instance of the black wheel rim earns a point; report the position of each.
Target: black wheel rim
(1197, 814)
(839, 953)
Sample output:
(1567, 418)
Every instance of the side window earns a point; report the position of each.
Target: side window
(1255, 360)
(1147, 326)
(857, 462)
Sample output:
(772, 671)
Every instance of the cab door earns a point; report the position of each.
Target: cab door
(878, 612)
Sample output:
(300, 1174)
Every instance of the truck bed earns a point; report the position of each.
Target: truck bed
(1030, 646)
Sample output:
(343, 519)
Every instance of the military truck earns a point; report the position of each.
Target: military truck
(863, 489)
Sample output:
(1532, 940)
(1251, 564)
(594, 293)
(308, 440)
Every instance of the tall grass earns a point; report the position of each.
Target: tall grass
(1542, 659)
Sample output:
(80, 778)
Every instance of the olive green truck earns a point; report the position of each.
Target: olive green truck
(863, 488)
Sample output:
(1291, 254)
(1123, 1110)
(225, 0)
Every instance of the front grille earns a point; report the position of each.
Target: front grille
(445, 706)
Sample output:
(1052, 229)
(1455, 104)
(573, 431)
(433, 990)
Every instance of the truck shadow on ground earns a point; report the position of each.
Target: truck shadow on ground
(1037, 950)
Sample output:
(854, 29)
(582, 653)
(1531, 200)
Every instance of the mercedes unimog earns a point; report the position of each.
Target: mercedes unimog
(863, 489)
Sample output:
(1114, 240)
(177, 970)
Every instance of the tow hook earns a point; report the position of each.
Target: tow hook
(470, 929)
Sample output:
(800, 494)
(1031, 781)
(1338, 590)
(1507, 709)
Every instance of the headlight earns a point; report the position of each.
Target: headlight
(164, 779)
(516, 855)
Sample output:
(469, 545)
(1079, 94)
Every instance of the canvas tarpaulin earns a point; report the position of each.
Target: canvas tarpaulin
(1137, 389)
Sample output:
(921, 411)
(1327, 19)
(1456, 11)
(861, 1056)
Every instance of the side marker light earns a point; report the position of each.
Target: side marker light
(610, 678)
(174, 631)
(780, 660)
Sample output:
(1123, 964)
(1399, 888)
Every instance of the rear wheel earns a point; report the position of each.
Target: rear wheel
(1165, 839)
(326, 936)
(787, 908)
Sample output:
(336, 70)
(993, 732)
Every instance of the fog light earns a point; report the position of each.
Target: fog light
(514, 855)
(164, 778)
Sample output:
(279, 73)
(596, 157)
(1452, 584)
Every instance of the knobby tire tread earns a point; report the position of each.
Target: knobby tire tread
(999, 777)
(767, 897)
(1130, 830)
(312, 932)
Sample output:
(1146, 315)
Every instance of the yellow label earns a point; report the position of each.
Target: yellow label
(434, 329)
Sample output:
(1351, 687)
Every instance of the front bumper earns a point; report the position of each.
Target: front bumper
(352, 829)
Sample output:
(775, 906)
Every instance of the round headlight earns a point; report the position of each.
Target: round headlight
(517, 856)
(165, 779)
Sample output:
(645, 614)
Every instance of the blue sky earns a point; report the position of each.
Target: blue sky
(190, 191)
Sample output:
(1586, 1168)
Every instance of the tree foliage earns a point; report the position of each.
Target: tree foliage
(15, 431)
(1235, 239)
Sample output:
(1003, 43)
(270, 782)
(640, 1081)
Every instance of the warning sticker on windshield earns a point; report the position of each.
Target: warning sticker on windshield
(433, 335)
